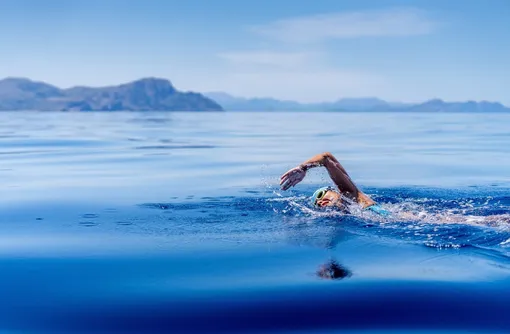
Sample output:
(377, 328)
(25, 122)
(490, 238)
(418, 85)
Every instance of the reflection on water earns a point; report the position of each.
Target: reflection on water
(173, 222)
(333, 270)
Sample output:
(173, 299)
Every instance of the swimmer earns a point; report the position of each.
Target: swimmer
(346, 193)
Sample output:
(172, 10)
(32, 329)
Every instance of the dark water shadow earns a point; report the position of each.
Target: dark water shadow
(332, 270)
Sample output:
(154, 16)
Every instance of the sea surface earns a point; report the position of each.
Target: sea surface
(175, 223)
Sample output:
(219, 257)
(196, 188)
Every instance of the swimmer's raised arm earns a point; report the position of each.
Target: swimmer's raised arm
(335, 170)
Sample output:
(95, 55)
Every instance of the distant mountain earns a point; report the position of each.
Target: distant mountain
(358, 104)
(254, 104)
(232, 103)
(141, 95)
(160, 95)
(437, 105)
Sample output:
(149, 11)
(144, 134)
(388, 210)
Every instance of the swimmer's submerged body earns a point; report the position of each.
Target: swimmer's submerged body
(348, 193)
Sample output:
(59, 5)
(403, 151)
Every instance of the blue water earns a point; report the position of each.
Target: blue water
(174, 223)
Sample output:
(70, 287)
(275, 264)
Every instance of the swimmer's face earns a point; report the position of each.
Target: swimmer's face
(330, 198)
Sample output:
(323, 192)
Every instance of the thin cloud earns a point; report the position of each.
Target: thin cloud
(319, 28)
(268, 58)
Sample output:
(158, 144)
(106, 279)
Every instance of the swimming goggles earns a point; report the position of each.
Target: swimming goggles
(319, 194)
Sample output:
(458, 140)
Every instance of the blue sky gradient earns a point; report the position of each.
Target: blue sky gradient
(302, 50)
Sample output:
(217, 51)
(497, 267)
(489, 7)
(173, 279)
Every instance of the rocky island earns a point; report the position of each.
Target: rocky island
(148, 94)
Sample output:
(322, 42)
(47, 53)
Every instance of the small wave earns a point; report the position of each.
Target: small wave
(435, 222)
(419, 218)
(173, 147)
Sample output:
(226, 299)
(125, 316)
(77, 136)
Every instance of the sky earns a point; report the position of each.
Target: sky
(308, 51)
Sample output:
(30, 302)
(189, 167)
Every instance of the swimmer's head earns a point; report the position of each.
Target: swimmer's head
(325, 196)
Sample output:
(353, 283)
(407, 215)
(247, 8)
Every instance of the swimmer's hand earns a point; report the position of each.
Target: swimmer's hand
(292, 177)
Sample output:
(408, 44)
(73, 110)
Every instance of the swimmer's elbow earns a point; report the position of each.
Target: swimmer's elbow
(327, 155)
